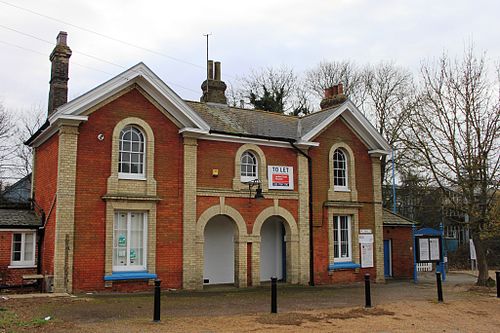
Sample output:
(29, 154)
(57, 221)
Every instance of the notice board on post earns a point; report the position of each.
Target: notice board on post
(428, 249)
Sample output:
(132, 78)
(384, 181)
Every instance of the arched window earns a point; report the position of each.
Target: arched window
(249, 167)
(340, 170)
(132, 150)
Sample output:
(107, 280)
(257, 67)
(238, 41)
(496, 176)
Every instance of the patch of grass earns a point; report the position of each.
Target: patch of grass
(9, 320)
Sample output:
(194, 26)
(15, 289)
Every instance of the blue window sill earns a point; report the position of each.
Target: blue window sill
(117, 276)
(343, 265)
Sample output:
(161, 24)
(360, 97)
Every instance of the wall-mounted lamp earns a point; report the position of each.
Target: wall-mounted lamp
(258, 191)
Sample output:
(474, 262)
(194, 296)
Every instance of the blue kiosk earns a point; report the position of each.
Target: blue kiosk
(428, 247)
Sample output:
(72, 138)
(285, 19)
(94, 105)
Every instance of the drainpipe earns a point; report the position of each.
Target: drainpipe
(311, 238)
(40, 232)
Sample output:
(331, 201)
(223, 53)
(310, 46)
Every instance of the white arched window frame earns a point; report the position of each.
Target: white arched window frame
(249, 167)
(132, 153)
(340, 171)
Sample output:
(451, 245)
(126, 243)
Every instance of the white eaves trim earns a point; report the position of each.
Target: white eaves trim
(378, 152)
(72, 117)
(361, 126)
(195, 132)
(141, 75)
(54, 127)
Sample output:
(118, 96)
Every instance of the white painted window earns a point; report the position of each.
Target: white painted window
(23, 249)
(131, 159)
(249, 167)
(340, 180)
(342, 241)
(129, 241)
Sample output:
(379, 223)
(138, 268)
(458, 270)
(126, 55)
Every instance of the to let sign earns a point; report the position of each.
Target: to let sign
(280, 177)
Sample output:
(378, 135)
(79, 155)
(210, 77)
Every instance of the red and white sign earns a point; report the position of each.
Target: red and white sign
(280, 177)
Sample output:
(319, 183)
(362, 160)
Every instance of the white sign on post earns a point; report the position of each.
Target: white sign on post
(280, 177)
(434, 248)
(472, 250)
(423, 245)
(366, 255)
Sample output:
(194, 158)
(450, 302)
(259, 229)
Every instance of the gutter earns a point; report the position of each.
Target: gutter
(255, 136)
(37, 133)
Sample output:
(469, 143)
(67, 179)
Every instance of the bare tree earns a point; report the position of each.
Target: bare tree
(330, 73)
(454, 136)
(274, 89)
(6, 149)
(381, 91)
(28, 123)
(388, 90)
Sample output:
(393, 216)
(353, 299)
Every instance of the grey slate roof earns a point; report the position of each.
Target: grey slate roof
(312, 120)
(19, 192)
(228, 119)
(18, 218)
(390, 218)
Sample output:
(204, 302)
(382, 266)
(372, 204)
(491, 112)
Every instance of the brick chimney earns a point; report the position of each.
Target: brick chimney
(58, 94)
(213, 89)
(333, 96)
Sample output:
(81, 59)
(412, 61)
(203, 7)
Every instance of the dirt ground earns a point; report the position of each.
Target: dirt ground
(399, 306)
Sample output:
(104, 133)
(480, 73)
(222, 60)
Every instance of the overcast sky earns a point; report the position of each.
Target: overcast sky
(245, 35)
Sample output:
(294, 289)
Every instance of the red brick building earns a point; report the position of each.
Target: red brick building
(398, 246)
(138, 184)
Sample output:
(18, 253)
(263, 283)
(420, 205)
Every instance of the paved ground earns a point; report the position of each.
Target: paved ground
(397, 305)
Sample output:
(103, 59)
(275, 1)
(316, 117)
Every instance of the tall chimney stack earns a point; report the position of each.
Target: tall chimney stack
(214, 88)
(58, 94)
(333, 96)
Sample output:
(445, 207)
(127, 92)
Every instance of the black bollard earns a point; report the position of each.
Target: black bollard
(368, 296)
(497, 273)
(274, 303)
(157, 299)
(439, 287)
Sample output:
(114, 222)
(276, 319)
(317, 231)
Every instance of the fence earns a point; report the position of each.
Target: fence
(424, 267)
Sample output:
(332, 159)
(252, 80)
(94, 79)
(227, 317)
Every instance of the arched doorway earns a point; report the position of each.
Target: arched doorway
(219, 254)
(273, 249)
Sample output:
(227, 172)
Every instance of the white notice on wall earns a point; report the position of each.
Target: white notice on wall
(366, 255)
(423, 245)
(434, 248)
(365, 238)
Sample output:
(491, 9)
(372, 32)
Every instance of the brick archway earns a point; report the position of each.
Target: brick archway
(240, 243)
(291, 239)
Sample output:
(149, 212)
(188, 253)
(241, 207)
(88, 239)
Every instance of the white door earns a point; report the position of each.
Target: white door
(271, 250)
(219, 250)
